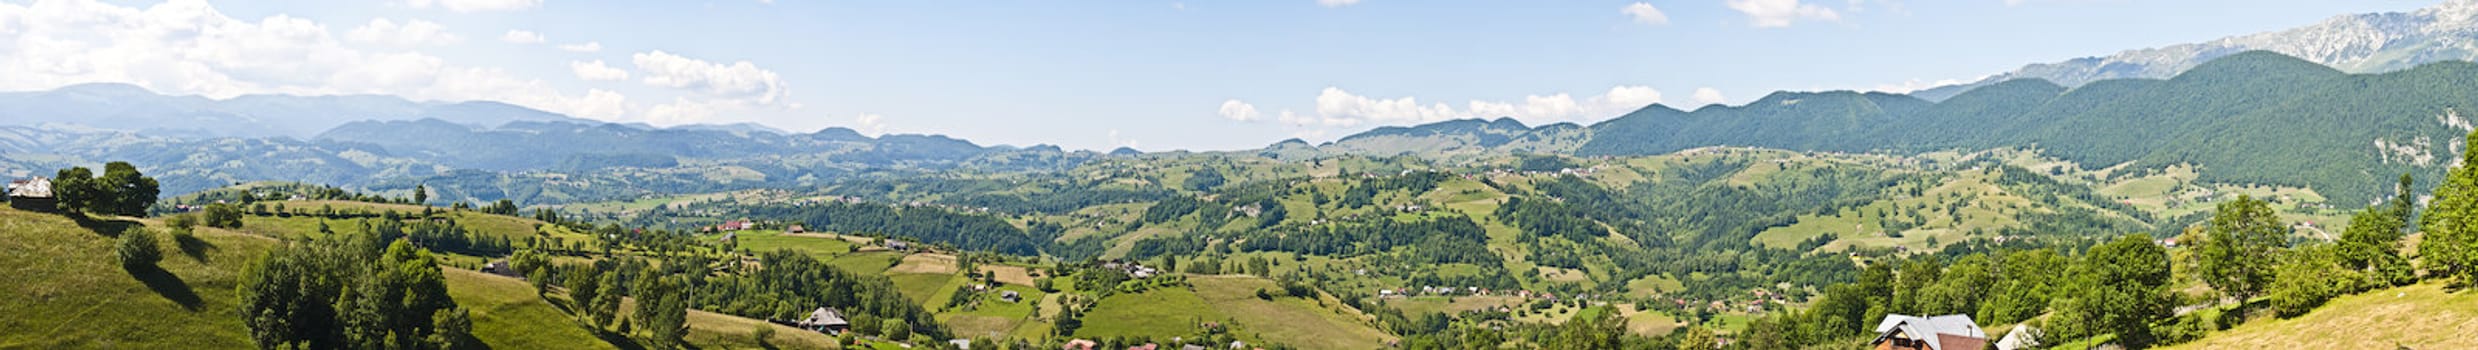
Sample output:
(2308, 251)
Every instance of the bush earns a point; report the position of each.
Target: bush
(896, 330)
(138, 248)
(761, 333)
(182, 221)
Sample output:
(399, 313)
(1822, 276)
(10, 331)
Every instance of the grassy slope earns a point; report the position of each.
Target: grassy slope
(69, 274)
(1311, 324)
(507, 315)
(2422, 316)
(66, 289)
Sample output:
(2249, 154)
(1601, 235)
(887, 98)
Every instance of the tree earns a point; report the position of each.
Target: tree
(421, 195)
(125, 192)
(606, 305)
(895, 329)
(138, 248)
(2119, 288)
(2306, 278)
(2450, 248)
(2237, 251)
(223, 215)
(1695, 338)
(75, 189)
(584, 286)
(455, 331)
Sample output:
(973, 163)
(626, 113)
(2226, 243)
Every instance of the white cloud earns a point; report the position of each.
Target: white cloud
(476, 5)
(1338, 108)
(1336, 3)
(596, 71)
(188, 47)
(1128, 142)
(591, 46)
(411, 33)
(738, 80)
(1645, 13)
(871, 124)
(1914, 85)
(1240, 111)
(1781, 13)
(522, 37)
(1707, 95)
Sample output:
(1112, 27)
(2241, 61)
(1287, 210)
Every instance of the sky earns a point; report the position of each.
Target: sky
(1153, 75)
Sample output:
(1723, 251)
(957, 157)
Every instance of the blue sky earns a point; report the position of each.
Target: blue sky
(1157, 75)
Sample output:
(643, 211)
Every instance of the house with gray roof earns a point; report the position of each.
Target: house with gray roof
(1948, 332)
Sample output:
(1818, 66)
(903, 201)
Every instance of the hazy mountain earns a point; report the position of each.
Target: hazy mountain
(127, 107)
(2256, 117)
(2360, 43)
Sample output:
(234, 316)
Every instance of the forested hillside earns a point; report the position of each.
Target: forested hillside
(2256, 117)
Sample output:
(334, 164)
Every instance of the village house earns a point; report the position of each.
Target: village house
(826, 320)
(32, 195)
(796, 228)
(1948, 332)
(1010, 296)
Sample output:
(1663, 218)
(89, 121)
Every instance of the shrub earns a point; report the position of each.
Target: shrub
(138, 248)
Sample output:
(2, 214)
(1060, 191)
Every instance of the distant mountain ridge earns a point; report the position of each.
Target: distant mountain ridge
(131, 108)
(2358, 43)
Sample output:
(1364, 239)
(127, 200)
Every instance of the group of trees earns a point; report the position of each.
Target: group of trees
(792, 284)
(121, 191)
(351, 292)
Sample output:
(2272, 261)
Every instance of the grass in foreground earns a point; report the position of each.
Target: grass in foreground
(2423, 316)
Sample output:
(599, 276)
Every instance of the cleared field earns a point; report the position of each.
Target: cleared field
(866, 262)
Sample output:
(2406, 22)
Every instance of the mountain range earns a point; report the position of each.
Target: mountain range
(2357, 43)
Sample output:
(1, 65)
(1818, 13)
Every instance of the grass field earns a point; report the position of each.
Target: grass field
(1304, 323)
(2423, 316)
(866, 262)
(507, 314)
(922, 287)
(1162, 311)
(822, 248)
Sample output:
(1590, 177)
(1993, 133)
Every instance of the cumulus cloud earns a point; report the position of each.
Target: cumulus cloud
(475, 5)
(1338, 108)
(587, 47)
(522, 37)
(871, 124)
(1707, 95)
(1645, 13)
(1119, 141)
(596, 71)
(188, 47)
(1240, 111)
(1336, 3)
(1914, 85)
(738, 80)
(1781, 13)
(409, 34)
